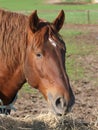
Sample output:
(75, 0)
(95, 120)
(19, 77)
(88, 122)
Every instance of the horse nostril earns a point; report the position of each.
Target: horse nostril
(60, 103)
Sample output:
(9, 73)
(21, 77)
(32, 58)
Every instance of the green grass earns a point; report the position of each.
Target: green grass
(75, 50)
(67, 34)
(75, 70)
(21, 4)
(28, 89)
(74, 13)
(42, 5)
(72, 17)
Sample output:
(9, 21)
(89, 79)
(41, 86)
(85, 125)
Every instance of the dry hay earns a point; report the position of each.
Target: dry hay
(42, 122)
(10, 123)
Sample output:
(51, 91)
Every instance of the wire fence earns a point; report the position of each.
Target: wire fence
(82, 17)
(71, 17)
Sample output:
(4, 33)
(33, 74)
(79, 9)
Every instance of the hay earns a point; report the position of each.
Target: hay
(51, 122)
(10, 123)
(42, 122)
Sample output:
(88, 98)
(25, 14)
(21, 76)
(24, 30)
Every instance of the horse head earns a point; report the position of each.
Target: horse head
(45, 62)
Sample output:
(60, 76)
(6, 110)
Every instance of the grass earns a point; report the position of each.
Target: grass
(74, 13)
(21, 5)
(42, 5)
(70, 33)
(28, 89)
(75, 51)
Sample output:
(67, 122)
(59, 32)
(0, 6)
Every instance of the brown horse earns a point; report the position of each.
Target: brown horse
(32, 50)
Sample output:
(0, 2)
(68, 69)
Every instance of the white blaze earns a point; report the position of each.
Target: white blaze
(52, 42)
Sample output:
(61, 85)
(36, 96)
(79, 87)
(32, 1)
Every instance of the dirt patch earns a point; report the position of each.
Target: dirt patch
(71, 3)
(67, 3)
(32, 108)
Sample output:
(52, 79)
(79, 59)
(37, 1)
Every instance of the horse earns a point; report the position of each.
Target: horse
(33, 51)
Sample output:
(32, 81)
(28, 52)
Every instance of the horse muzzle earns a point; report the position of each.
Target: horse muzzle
(59, 105)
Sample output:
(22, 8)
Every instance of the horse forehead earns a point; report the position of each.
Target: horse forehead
(53, 43)
(43, 23)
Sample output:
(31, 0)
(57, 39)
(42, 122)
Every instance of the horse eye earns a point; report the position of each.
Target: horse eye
(39, 55)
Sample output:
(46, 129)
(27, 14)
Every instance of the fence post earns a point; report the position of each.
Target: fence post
(88, 16)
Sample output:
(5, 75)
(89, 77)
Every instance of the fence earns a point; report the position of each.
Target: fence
(82, 17)
(71, 17)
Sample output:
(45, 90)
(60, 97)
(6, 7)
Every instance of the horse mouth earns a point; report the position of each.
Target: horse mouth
(58, 110)
(58, 105)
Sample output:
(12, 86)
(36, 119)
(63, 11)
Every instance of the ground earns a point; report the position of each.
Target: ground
(32, 110)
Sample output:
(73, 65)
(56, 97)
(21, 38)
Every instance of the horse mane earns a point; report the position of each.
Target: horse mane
(13, 36)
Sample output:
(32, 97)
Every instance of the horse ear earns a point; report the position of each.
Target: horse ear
(59, 21)
(34, 21)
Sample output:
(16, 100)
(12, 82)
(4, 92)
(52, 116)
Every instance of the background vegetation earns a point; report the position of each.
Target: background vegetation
(77, 14)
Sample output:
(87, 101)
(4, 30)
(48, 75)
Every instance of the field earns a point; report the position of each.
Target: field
(82, 67)
(77, 14)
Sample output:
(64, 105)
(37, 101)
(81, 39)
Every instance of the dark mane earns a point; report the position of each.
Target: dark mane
(13, 34)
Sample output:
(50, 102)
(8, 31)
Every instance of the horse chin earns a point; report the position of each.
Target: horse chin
(57, 113)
